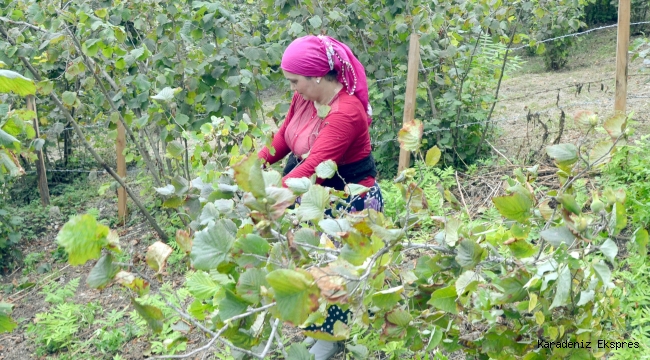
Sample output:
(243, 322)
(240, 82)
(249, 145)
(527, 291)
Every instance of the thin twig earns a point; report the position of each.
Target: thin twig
(498, 152)
(462, 197)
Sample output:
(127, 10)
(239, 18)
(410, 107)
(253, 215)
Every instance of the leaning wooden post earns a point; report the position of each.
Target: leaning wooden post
(43, 189)
(410, 96)
(622, 44)
(121, 171)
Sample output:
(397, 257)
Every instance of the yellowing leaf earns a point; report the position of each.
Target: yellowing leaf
(157, 255)
(296, 294)
(433, 156)
(615, 125)
(11, 81)
(410, 134)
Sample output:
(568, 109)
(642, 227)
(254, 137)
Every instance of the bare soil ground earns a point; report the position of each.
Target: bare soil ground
(530, 92)
(531, 102)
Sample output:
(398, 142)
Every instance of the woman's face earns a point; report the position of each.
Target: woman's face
(307, 87)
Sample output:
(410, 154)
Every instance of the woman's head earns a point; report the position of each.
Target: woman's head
(311, 87)
(311, 58)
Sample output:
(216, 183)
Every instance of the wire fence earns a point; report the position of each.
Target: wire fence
(581, 33)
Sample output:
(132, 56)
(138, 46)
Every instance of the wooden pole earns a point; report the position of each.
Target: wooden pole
(121, 171)
(43, 189)
(410, 96)
(622, 44)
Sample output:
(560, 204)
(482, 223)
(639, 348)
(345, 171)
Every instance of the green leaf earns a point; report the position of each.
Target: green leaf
(166, 94)
(83, 238)
(399, 317)
(586, 297)
(358, 351)
(433, 156)
(469, 253)
(201, 286)
(563, 154)
(326, 170)
(335, 227)
(298, 351)
(299, 186)
(231, 305)
(641, 239)
(212, 245)
(102, 273)
(315, 22)
(603, 272)
(618, 218)
(7, 324)
(307, 236)
(295, 29)
(562, 287)
(6, 139)
(248, 175)
(13, 81)
(313, 203)
(521, 248)
(410, 135)
(175, 149)
(467, 281)
(228, 96)
(69, 98)
(445, 299)
(568, 201)
(514, 288)
(558, 235)
(434, 339)
(151, 314)
(8, 163)
(253, 244)
(609, 249)
(515, 206)
(157, 255)
(355, 189)
(296, 294)
(250, 283)
(272, 178)
(387, 299)
(615, 125)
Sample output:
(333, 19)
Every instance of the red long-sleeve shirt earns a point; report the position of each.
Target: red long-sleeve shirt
(343, 136)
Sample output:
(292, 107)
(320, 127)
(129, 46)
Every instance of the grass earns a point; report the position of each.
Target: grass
(591, 48)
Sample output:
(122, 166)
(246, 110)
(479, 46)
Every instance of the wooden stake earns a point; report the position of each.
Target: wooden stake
(121, 171)
(43, 189)
(410, 96)
(622, 44)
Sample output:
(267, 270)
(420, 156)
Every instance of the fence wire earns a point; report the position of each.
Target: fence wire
(378, 81)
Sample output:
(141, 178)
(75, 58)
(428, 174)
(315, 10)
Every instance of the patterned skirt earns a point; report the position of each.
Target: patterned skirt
(371, 200)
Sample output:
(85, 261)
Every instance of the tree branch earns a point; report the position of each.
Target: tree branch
(87, 145)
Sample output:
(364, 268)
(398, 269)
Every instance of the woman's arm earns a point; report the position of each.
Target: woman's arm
(279, 144)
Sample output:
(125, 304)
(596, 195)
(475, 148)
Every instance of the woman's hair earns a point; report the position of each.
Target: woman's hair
(332, 75)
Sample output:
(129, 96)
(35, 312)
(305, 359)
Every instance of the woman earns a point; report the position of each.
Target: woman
(328, 119)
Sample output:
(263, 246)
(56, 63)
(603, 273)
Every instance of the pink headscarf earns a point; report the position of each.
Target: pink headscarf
(316, 55)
